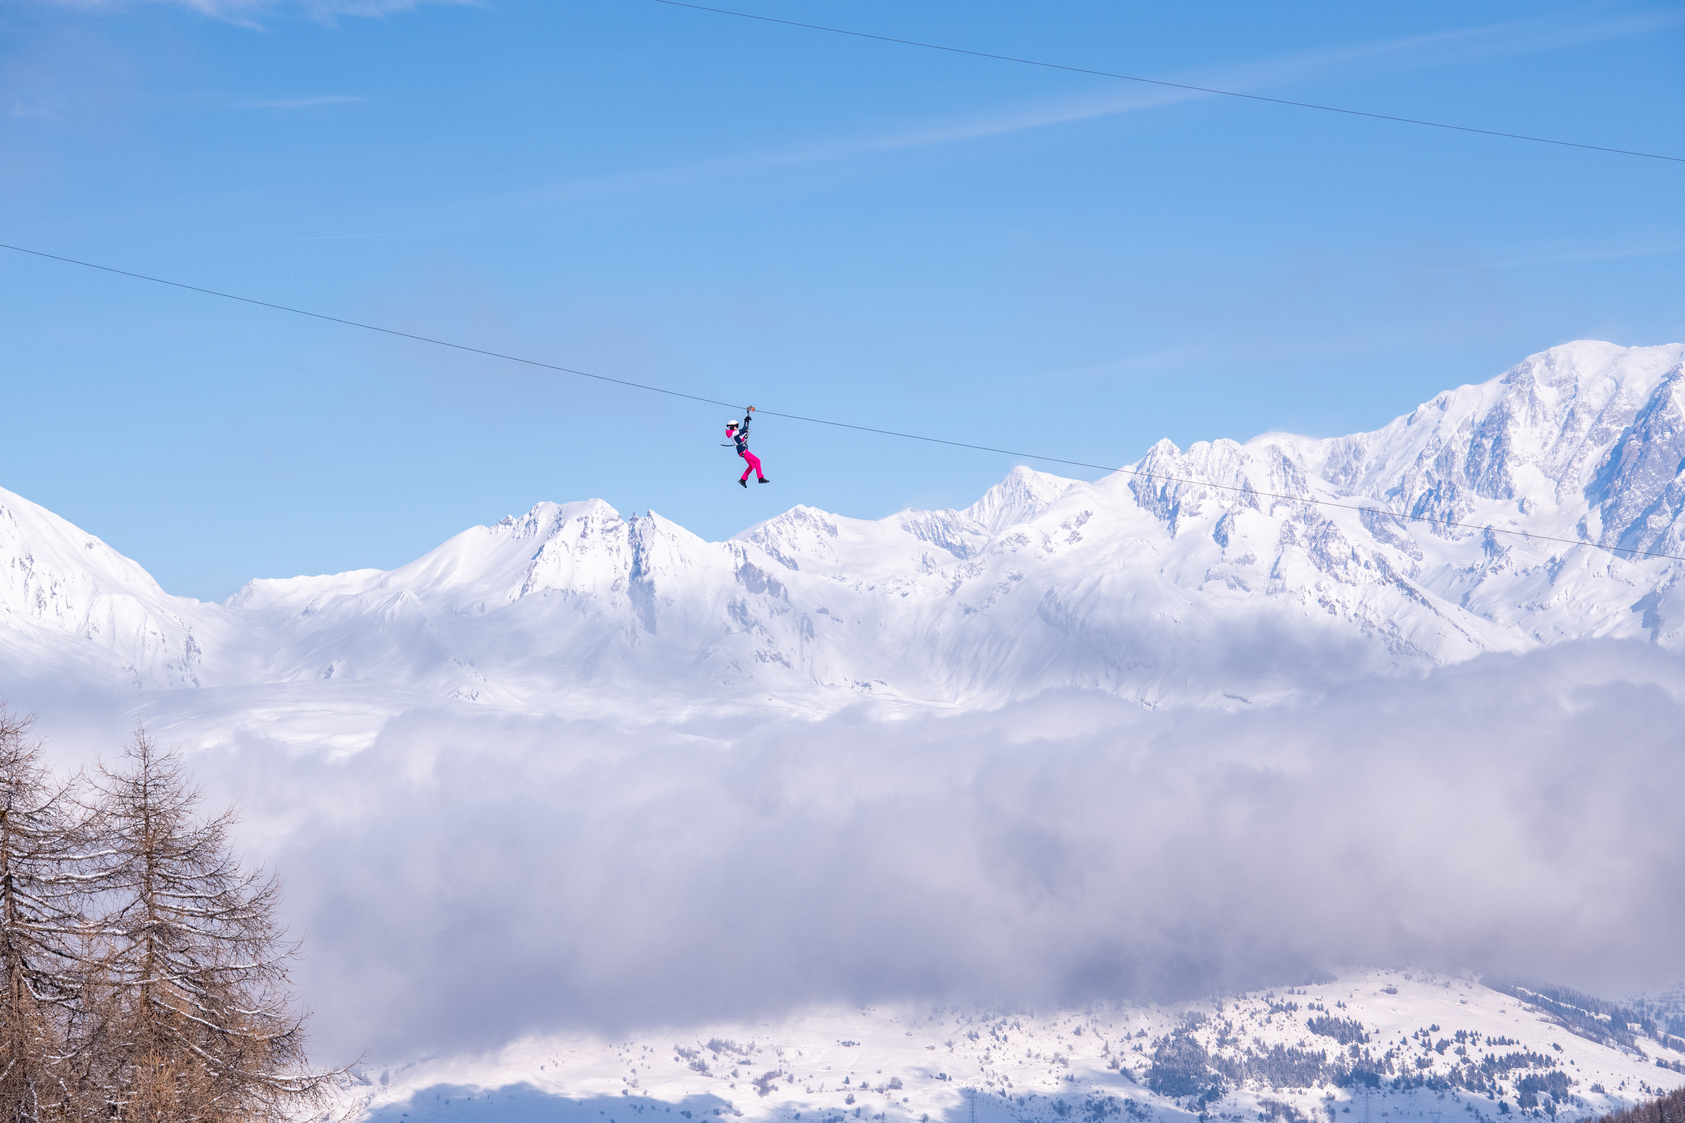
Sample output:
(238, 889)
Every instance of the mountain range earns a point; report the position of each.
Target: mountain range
(500, 771)
(1496, 517)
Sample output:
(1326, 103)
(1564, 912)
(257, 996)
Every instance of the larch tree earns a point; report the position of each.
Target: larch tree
(196, 1001)
(44, 939)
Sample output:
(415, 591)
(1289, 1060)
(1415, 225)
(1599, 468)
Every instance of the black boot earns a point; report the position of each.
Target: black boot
(764, 480)
(744, 481)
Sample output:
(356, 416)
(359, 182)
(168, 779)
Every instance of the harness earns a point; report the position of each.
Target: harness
(739, 436)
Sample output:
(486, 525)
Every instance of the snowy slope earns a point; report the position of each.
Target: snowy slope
(67, 600)
(1161, 586)
(1431, 1045)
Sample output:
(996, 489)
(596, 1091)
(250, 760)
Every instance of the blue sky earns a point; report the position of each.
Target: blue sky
(817, 224)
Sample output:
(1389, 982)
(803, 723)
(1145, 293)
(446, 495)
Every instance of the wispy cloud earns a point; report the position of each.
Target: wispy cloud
(1404, 53)
(1571, 257)
(1441, 48)
(347, 237)
(953, 132)
(23, 109)
(246, 12)
(304, 102)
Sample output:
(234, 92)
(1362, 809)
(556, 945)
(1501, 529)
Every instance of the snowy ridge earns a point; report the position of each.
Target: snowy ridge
(1019, 498)
(1365, 1045)
(59, 584)
(1144, 585)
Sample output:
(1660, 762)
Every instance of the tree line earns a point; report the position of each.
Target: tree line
(1182, 1066)
(1664, 1109)
(145, 972)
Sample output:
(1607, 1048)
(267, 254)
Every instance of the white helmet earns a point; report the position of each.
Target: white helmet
(732, 424)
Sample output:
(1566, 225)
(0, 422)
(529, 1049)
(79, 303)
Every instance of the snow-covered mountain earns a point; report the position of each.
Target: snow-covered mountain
(444, 776)
(1365, 1045)
(1163, 584)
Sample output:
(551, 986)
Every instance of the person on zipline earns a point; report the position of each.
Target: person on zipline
(739, 433)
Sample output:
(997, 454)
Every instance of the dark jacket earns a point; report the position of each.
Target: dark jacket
(741, 435)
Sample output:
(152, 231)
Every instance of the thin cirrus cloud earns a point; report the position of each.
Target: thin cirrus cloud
(303, 102)
(1566, 257)
(1331, 63)
(246, 12)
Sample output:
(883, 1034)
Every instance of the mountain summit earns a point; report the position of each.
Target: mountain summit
(1221, 574)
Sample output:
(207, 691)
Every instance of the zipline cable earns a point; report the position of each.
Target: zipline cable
(368, 327)
(1171, 85)
(1242, 490)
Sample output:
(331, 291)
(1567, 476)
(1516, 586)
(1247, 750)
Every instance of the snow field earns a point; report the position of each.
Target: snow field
(905, 1065)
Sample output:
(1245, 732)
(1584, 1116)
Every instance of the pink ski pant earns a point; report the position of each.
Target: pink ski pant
(754, 465)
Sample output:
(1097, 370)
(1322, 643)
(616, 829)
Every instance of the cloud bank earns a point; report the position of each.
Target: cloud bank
(466, 881)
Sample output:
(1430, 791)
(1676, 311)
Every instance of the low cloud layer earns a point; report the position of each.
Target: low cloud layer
(466, 881)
